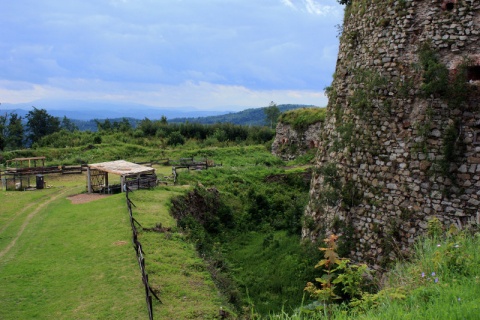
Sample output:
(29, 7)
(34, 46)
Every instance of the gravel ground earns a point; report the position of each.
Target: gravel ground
(85, 197)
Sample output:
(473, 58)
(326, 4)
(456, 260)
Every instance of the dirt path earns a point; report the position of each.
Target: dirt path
(19, 213)
(32, 214)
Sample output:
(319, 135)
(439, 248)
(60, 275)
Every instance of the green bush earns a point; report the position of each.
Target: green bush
(175, 138)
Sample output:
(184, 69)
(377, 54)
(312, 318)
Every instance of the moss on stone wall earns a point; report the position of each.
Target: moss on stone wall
(301, 119)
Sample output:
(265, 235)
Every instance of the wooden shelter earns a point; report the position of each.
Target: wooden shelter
(25, 165)
(132, 175)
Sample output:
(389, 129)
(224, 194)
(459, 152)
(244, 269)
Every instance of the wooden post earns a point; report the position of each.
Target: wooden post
(106, 182)
(89, 180)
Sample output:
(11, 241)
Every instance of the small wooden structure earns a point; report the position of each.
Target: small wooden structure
(20, 172)
(25, 165)
(132, 176)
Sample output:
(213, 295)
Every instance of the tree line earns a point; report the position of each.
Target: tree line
(18, 133)
(40, 129)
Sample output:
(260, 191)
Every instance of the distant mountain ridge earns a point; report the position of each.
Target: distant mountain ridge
(85, 119)
(251, 117)
(82, 110)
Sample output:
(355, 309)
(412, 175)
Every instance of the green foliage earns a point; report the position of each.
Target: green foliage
(440, 282)
(341, 279)
(15, 133)
(41, 124)
(248, 117)
(434, 229)
(124, 125)
(175, 138)
(438, 82)
(301, 119)
(372, 85)
(346, 136)
(435, 79)
(449, 148)
(273, 267)
(202, 211)
(423, 130)
(459, 89)
(351, 196)
(272, 112)
(68, 125)
(332, 186)
(3, 131)
(267, 206)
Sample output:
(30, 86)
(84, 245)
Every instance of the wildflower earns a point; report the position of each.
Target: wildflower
(438, 245)
(433, 274)
(436, 280)
(456, 245)
(423, 274)
(458, 299)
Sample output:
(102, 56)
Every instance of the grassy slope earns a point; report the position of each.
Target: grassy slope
(76, 261)
(173, 266)
(442, 281)
(270, 268)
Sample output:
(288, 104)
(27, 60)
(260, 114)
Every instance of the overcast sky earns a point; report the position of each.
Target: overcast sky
(207, 54)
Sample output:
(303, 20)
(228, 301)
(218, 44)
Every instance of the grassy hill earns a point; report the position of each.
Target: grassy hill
(250, 117)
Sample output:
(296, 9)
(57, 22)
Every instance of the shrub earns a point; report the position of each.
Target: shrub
(175, 138)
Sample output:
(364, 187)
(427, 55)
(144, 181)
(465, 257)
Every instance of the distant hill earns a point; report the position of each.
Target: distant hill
(251, 117)
(88, 110)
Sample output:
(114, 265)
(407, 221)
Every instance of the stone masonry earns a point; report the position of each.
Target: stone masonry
(290, 143)
(399, 146)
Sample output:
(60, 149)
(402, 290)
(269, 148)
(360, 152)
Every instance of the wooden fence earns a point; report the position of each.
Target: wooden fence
(141, 260)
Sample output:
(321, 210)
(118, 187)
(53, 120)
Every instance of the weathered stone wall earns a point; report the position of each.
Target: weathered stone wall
(290, 143)
(391, 156)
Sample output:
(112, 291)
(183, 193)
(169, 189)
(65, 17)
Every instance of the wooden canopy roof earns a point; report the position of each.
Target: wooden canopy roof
(26, 159)
(121, 167)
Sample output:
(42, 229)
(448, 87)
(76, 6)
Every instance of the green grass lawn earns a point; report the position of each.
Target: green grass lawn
(76, 261)
(73, 262)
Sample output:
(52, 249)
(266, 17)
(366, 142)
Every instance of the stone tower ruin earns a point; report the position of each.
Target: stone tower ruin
(401, 143)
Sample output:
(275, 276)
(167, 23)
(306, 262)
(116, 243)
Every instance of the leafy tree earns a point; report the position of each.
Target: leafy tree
(147, 127)
(345, 2)
(105, 125)
(41, 124)
(163, 120)
(3, 131)
(68, 125)
(272, 113)
(122, 126)
(15, 132)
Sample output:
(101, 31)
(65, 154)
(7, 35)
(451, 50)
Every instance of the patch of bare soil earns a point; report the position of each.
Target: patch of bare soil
(85, 197)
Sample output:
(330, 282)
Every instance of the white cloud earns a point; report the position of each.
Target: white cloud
(169, 52)
(289, 3)
(201, 95)
(315, 7)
